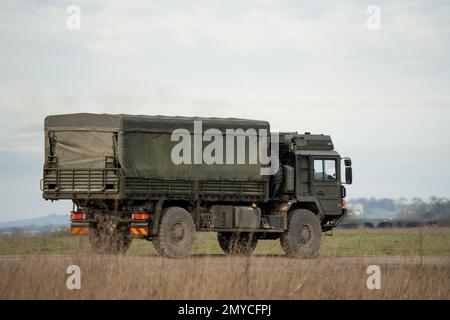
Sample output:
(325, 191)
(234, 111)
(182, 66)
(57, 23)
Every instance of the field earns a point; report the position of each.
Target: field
(414, 264)
(371, 242)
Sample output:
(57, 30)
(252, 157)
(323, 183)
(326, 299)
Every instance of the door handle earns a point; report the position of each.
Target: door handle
(320, 193)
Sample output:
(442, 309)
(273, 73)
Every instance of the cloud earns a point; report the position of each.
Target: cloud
(304, 65)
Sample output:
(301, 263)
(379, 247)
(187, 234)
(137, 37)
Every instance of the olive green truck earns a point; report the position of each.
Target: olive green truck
(164, 178)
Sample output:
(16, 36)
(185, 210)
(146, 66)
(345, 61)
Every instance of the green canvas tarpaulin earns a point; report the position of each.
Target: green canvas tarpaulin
(142, 145)
(82, 149)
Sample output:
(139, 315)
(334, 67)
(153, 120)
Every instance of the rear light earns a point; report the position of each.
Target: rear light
(139, 216)
(344, 202)
(78, 216)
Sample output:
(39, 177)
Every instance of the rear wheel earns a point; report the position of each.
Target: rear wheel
(242, 243)
(108, 236)
(176, 233)
(302, 239)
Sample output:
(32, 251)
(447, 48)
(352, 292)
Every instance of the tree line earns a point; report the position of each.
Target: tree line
(432, 209)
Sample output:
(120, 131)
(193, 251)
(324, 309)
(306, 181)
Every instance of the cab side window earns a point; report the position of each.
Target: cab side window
(324, 170)
(318, 170)
(330, 170)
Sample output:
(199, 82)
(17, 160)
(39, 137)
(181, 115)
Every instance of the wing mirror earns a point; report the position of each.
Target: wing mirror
(348, 171)
(348, 175)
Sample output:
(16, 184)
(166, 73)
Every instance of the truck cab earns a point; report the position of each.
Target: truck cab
(317, 181)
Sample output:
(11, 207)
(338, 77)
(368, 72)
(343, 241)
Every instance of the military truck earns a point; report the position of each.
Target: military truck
(129, 177)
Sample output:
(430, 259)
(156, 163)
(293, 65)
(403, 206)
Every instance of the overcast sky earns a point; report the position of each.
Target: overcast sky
(383, 95)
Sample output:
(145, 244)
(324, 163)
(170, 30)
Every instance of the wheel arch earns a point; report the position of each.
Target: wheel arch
(185, 204)
(312, 205)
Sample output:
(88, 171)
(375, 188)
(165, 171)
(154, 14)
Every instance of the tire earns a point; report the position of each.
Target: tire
(107, 236)
(176, 233)
(302, 239)
(235, 244)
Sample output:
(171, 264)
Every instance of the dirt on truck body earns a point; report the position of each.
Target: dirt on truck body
(164, 178)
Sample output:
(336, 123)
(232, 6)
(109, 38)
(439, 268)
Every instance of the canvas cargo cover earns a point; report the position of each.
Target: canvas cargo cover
(142, 145)
(143, 123)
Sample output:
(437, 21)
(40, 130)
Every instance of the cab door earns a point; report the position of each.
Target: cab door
(326, 183)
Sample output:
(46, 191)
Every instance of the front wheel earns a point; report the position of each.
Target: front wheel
(176, 233)
(302, 239)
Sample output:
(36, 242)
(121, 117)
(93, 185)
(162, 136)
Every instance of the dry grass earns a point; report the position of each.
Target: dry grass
(219, 277)
(415, 264)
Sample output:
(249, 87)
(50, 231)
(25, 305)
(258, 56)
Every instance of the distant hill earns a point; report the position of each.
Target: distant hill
(52, 219)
